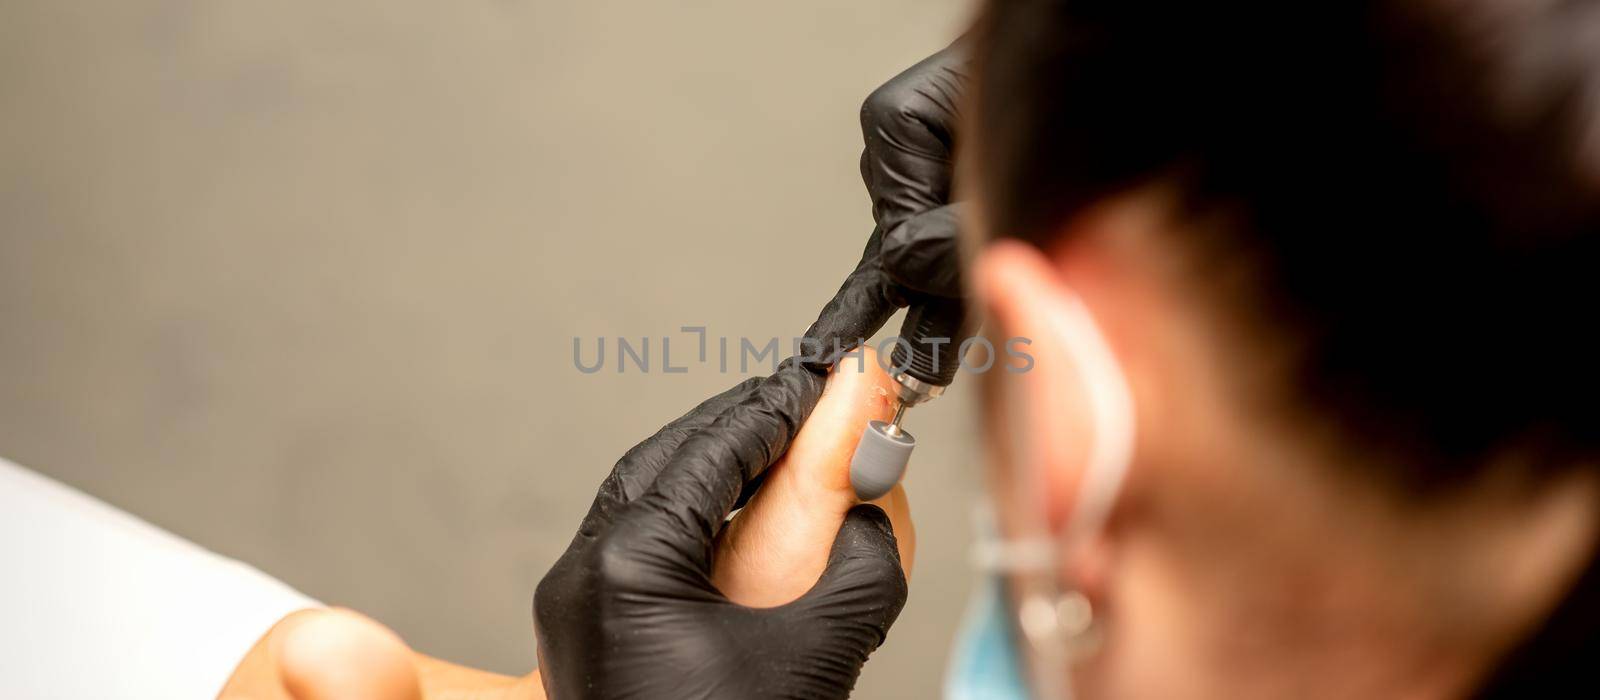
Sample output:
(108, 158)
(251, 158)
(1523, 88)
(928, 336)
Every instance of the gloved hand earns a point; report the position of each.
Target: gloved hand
(629, 610)
(909, 126)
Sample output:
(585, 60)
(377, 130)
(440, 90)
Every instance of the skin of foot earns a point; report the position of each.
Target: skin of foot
(771, 552)
(339, 654)
(774, 549)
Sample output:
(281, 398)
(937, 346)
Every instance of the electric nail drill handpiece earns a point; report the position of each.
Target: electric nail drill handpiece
(924, 362)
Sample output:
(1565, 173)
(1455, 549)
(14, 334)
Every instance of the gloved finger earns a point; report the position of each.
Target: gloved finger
(863, 589)
(862, 305)
(684, 508)
(923, 253)
(909, 127)
(633, 474)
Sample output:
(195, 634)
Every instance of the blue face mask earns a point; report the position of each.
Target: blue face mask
(985, 663)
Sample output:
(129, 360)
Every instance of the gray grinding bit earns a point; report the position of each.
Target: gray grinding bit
(880, 460)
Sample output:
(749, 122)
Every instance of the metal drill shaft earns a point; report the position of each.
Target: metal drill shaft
(899, 413)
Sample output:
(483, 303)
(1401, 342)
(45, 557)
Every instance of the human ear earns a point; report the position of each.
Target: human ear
(1044, 406)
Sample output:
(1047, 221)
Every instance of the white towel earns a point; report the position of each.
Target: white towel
(96, 603)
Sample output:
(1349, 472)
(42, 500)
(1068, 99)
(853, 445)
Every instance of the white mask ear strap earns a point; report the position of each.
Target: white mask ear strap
(1112, 412)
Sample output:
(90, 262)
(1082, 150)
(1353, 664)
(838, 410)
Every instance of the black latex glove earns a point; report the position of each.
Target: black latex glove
(909, 127)
(629, 610)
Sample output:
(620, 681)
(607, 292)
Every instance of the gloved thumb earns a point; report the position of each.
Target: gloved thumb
(863, 587)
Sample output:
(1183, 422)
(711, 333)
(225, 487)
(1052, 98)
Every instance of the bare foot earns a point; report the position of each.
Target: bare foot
(338, 654)
(771, 553)
(775, 549)
(334, 654)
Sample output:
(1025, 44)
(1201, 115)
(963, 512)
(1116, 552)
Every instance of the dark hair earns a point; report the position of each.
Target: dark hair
(1411, 187)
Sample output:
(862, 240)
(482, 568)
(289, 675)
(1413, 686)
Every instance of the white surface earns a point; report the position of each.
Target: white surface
(95, 603)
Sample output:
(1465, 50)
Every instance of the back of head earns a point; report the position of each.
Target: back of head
(1401, 197)
(1412, 186)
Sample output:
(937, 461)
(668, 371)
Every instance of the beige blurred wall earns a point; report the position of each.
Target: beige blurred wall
(299, 281)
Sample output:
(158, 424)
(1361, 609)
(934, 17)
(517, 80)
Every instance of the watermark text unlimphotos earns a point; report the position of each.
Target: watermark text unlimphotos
(700, 351)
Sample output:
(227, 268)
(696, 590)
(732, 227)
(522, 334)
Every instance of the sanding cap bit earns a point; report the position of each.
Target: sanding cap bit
(880, 459)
